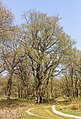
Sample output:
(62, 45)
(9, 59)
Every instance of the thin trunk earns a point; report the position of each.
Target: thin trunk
(72, 91)
(9, 86)
(51, 91)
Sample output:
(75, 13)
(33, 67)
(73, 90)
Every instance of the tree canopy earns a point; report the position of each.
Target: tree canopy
(36, 53)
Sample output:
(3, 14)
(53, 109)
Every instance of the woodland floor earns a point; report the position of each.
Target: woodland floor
(18, 109)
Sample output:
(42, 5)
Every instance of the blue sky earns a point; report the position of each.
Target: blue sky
(68, 10)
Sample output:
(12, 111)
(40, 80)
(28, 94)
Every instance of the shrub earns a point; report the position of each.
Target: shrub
(73, 106)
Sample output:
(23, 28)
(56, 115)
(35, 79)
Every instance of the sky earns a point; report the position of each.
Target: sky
(68, 10)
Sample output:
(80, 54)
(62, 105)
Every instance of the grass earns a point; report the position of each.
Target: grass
(16, 109)
(74, 107)
(43, 111)
(10, 109)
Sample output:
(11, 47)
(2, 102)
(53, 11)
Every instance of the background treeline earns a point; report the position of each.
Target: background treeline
(37, 59)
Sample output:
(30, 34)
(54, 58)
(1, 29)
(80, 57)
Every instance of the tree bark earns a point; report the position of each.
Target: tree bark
(9, 86)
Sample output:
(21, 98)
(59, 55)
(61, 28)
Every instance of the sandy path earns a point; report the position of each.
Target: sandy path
(64, 115)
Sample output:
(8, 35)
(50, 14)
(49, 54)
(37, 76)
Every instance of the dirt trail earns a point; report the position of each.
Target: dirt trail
(64, 115)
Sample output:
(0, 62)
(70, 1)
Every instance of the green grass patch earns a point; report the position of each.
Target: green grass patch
(44, 112)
